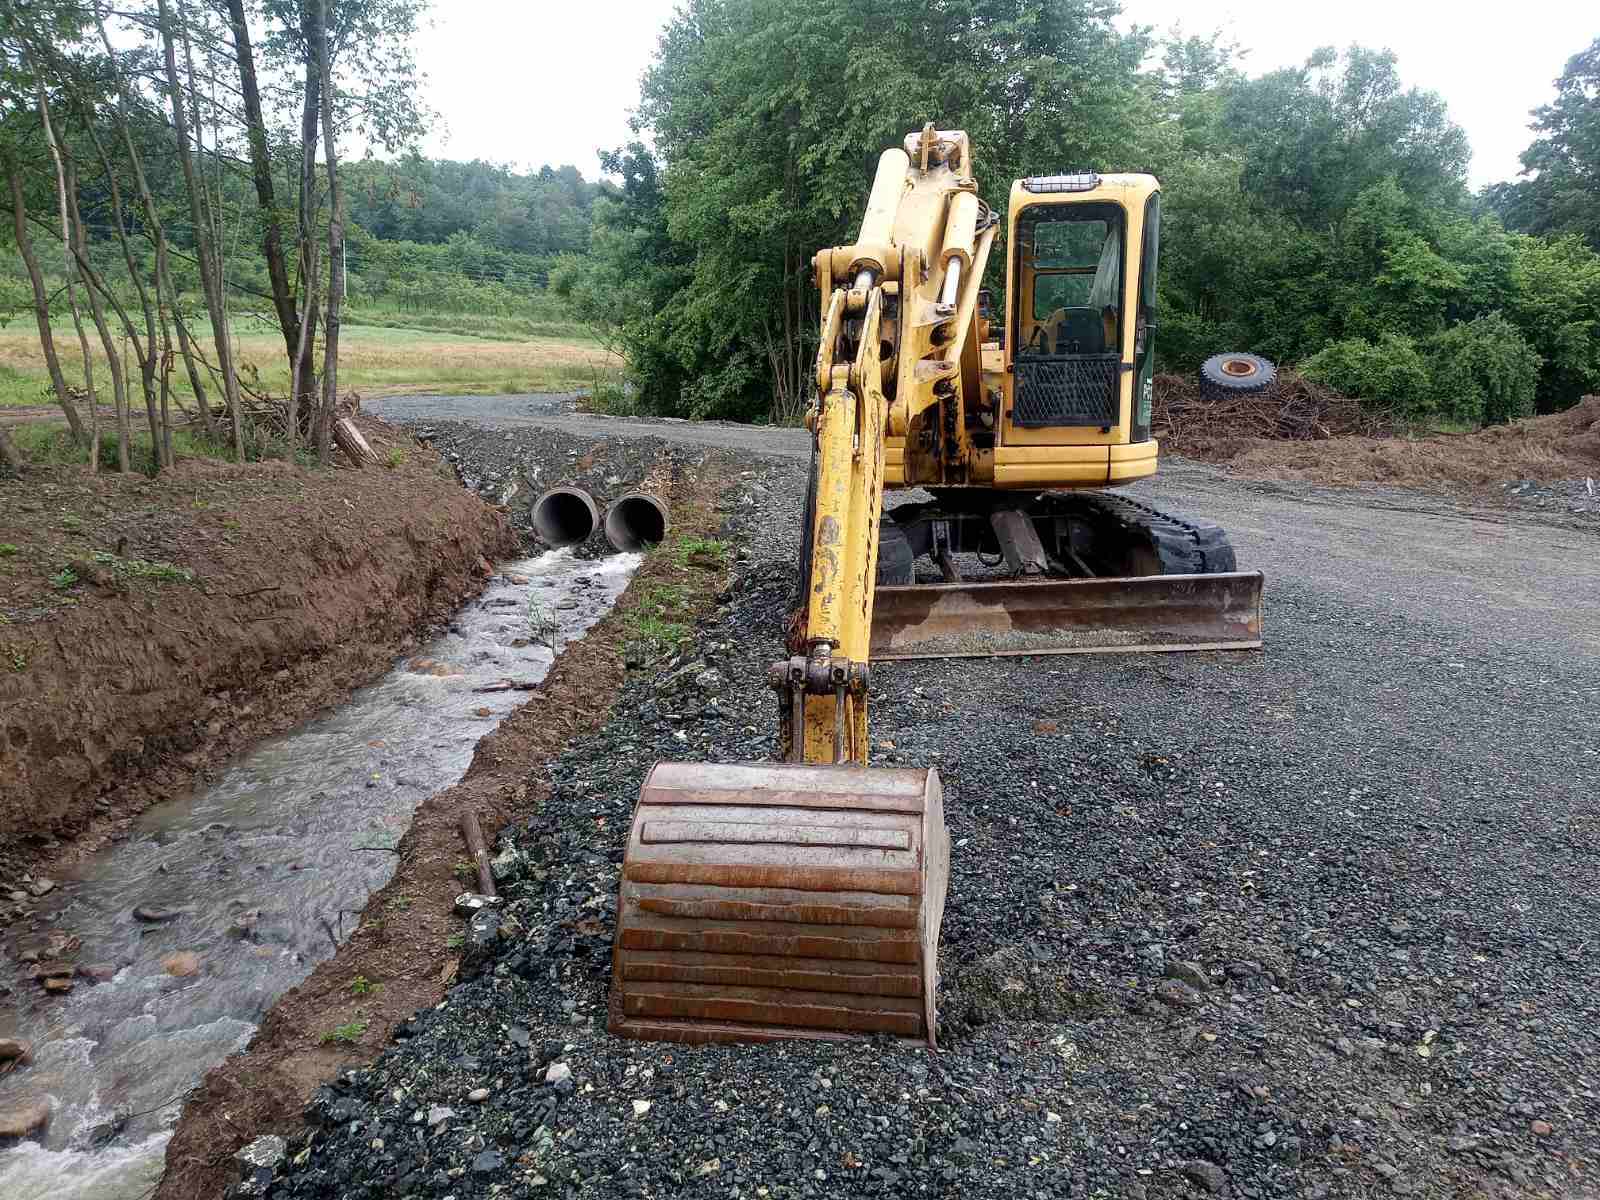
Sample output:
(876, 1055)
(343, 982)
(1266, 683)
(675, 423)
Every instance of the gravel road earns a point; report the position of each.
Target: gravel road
(1319, 920)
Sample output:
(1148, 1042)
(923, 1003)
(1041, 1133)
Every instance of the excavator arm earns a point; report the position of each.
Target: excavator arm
(907, 321)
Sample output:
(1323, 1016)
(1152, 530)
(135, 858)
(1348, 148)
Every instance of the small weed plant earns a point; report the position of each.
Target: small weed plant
(346, 1034)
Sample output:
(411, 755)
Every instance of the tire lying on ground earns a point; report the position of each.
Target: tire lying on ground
(1235, 375)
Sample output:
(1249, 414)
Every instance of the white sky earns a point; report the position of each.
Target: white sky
(529, 82)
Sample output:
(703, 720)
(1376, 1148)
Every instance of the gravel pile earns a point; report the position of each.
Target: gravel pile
(1318, 921)
(1580, 497)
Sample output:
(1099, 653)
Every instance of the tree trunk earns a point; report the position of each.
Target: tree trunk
(79, 248)
(205, 251)
(165, 288)
(146, 352)
(310, 128)
(330, 340)
(67, 244)
(41, 301)
(283, 299)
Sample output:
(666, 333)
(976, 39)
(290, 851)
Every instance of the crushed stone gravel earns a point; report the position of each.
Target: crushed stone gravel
(1310, 922)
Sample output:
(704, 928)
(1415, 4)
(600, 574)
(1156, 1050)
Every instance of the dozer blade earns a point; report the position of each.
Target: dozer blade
(1068, 616)
(780, 901)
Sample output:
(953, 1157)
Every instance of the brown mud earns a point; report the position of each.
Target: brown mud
(151, 628)
(402, 946)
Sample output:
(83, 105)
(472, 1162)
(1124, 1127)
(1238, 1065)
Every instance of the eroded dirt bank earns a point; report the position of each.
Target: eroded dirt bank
(407, 948)
(151, 628)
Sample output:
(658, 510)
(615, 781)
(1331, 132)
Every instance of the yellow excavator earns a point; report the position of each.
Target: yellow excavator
(803, 898)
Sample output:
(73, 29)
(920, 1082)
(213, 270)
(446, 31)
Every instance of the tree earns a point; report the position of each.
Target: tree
(1315, 137)
(767, 118)
(1563, 193)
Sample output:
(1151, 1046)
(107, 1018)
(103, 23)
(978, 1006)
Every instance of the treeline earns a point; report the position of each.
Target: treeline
(143, 148)
(1317, 214)
(171, 174)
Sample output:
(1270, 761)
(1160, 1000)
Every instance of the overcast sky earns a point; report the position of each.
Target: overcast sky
(529, 82)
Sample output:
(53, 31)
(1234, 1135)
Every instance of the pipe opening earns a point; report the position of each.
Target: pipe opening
(636, 521)
(564, 516)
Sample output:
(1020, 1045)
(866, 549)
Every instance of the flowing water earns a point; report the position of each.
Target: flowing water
(267, 867)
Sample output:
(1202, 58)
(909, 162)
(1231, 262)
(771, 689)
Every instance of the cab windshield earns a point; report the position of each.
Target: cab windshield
(1070, 265)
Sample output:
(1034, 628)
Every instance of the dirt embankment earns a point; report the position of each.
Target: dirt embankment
(150, 628)
(407, 944)
(1305, 432)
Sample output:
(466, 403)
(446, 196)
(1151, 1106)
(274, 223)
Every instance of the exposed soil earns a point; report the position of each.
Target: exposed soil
(404, 942)
(1306, 433)
(151, 628)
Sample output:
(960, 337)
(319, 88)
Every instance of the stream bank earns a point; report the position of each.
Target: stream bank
(406, 944)
(150, 629)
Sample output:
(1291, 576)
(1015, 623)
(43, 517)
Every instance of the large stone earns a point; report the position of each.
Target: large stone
(482, 943)
(258, 1164)
(24, 1117)
(1191, 973)
(1208, 1175)
(156, 915)
(181, 964)
(15, 1049)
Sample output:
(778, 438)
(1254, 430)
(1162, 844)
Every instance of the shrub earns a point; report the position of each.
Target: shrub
(1484, 372)
(1388, 372)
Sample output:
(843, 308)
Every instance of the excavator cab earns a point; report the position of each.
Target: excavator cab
(803, 898)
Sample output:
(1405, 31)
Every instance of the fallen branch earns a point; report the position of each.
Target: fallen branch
(480, 852)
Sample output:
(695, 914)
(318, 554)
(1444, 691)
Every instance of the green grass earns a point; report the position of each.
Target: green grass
(456, 940)
(138, 568)
(362, 986)
(8, 549)
(380, 352)
(701, 552)
(346, 1034)
(48, 443)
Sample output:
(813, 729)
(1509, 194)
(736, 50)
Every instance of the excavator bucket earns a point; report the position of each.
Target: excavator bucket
(766, 901)
(1071, 616)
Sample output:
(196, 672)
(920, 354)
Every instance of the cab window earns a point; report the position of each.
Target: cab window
(1070, 259)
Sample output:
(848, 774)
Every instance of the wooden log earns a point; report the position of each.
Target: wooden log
(350, 441)
(480, 852)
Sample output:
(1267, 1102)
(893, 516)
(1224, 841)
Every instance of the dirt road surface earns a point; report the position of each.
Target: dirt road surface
(1315, 921)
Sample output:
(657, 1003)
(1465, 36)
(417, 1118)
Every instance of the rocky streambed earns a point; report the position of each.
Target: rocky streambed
(159, 956)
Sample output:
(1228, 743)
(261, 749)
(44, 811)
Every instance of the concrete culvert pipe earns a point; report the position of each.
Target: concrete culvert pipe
(565, 516)
(636, 521)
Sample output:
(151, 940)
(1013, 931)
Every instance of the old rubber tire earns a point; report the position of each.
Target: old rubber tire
(1236, 375)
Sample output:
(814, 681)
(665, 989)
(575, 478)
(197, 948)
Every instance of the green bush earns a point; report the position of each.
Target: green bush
(1484, 372)
(1388, 372)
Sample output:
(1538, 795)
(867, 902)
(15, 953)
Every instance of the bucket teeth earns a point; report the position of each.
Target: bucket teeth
(769, 901)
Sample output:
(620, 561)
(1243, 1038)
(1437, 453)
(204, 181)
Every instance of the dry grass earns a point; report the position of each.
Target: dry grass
(1563, 445)
(373, 360)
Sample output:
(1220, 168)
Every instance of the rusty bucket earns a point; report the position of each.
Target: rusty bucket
(763, 901)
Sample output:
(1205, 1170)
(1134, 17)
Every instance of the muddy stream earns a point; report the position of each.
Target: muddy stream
(258, 874)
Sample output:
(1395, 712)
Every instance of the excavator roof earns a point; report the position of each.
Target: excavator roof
(1126, 189)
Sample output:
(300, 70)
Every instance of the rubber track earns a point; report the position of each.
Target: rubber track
(1183, 547)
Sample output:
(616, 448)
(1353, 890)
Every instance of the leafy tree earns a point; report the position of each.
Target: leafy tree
(767, 118)
(1483, 371)
(1563, 195)
(1389, 372)
(1315, 137)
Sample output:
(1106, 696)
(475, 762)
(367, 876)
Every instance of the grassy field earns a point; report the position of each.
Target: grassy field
(374, 360)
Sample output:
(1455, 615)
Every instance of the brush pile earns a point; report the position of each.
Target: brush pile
(1295, 409)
